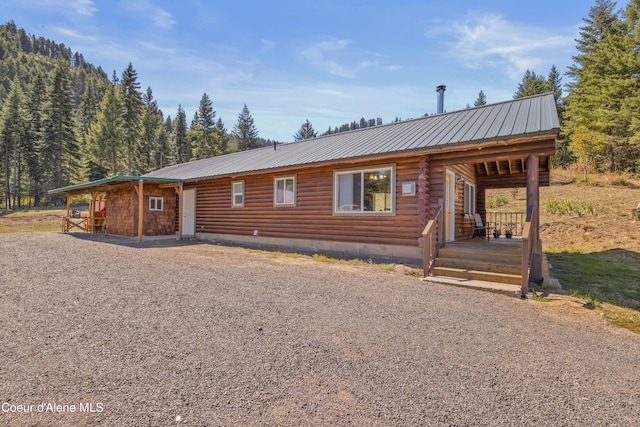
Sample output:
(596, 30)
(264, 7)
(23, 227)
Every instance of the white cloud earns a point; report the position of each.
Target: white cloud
(325, 56)
(67, 32)
(158, 16)
(490, 41)
(155, 48)
(85, 7)
(78, 7)
(267, 45)
(316, 54)
(162, 18)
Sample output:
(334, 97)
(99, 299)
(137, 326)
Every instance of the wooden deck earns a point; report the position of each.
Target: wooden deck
(487, 264)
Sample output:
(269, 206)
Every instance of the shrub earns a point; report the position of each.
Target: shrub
(563, 207)
(621, 181)
(496, 202)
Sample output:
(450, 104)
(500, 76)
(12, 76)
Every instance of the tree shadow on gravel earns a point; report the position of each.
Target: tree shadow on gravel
(132, 242)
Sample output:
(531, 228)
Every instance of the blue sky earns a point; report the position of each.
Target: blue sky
(329, 61)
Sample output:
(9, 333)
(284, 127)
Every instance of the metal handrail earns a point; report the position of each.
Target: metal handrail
(503, 221)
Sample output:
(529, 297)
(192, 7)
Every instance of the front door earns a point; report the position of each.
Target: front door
(189, 212)
(450, 207)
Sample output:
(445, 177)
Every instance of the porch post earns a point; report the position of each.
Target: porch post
(140, 209)
(69, 197)
(180, 211)
(92, 211)
(533, 199)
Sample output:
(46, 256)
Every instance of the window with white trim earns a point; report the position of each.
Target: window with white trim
(284, 191)
(237, 194)
(367, 190)
(469, 204)
(156, 203)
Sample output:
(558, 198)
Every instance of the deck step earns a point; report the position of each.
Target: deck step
(451, 251)
(487, 276)
(494, 266)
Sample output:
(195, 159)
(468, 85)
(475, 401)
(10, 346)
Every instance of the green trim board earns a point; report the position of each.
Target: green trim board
(106, 183)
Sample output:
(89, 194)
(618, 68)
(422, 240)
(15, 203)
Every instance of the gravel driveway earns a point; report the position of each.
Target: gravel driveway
(103, 331)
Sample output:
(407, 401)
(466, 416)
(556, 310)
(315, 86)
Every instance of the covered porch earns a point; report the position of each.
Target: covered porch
(448, 250)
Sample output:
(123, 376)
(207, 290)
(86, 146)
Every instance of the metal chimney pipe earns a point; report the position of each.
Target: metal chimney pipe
(440, 89)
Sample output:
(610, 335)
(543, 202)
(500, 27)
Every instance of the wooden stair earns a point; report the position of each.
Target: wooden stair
(496, 260)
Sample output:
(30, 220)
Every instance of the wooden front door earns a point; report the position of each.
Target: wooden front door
(189, 212)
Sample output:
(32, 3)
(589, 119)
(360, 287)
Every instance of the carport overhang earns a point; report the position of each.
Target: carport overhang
(94, 188)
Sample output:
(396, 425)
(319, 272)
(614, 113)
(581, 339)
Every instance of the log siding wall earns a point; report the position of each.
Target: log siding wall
(312, 216)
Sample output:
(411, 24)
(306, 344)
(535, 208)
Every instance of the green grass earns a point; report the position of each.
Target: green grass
(29, 220)
(612, 276)
(540, 298)
(607, 281)
(32, 227)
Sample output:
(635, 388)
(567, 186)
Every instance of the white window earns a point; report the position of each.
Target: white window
(469, 205)
(237, 194)
(284, 191)
(365, 190)
(156, 203)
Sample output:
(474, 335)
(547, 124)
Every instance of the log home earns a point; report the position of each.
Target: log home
(401, 190)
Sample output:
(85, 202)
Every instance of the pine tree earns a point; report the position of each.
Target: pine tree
(162, 154)
(594, 114)
(60, 147)
(629, 153)
(245, 131)
(88, 110)
(481, 100)
(564, 157)
(221, 137)
(151, 128)
(34, 139)
(202, 131)
(306, 131)
(181, 139)
(12, 137)
(554, 85)
(194, 134)
(133, 110)
(105, 136)
(532, 84)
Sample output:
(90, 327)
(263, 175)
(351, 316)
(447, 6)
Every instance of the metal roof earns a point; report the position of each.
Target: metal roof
(524, 117)
(108, 184)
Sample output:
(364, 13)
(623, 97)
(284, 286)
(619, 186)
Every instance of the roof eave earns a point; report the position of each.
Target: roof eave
(86, 187)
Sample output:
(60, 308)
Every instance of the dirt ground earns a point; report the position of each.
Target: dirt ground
(104, 331)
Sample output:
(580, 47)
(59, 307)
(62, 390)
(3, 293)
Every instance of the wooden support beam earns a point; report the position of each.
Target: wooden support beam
(533, 199)
(170, 185)
(92, 209)
(487, 168)
(140, 209)
(180, 211)
(69, 197)
(494, 154)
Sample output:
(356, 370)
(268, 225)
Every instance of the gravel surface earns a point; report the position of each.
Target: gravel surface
(171, 333)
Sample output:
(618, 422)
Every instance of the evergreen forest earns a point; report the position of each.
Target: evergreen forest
(64, 120)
